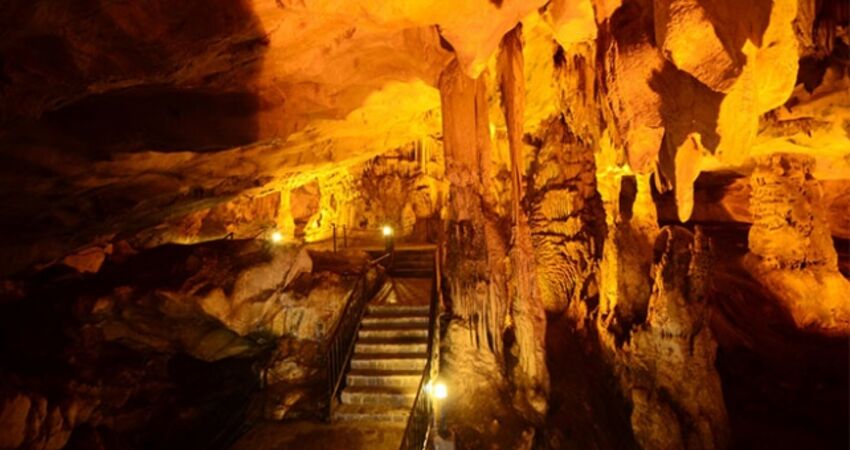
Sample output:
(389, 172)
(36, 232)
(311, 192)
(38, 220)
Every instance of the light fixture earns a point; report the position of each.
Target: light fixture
(387, 231)
(440, 391)
(276, 236)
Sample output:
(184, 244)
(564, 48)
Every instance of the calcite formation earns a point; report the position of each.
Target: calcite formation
(672, 345)
(792, 252)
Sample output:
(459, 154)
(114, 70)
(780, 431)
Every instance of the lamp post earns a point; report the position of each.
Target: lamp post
(438, 392)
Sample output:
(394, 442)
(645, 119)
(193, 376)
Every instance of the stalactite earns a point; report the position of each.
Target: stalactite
(526, 306)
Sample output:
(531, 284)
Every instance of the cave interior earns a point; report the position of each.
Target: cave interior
(471, 224)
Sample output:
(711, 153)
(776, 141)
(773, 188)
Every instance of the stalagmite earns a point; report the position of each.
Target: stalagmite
(791, 249)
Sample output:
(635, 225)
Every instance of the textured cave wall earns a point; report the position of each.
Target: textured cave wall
(404, 188)
(160, 348)
(565, 209)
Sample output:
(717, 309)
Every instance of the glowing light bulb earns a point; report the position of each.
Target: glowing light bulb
(387, 231)
(277, 236)
(440, 391)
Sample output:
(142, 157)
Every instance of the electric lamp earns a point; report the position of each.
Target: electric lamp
(440, 391)
(277, 237)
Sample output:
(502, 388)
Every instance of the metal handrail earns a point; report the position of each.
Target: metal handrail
(417, 433)
(341, 343)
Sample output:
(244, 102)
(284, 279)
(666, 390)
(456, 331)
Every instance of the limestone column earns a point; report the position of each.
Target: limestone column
(475, 252)
(531, 375)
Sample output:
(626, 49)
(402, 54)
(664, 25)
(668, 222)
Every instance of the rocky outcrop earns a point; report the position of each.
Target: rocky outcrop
(652, 322)
(30, 420)
(625, 266)
(210, 302)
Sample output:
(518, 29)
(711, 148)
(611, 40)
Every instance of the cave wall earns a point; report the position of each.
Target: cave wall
(149, 350)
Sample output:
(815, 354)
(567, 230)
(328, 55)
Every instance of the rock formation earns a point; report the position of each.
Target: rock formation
(792, 252)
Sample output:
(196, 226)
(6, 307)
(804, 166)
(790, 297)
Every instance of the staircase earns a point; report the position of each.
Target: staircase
(410, 263)
(391, 350)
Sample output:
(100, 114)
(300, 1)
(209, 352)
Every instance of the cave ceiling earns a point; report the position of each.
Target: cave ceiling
(115, 116)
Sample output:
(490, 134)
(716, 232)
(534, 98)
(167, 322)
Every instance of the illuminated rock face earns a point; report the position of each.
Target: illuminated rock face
(674, 345)
(789, 230)
(566, 219)
(792, 252)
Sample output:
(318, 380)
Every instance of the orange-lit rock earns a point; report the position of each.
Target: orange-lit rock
(687, 37)
(789, 228)
(566, 218)
(88, 260)
(665, 354)
(791, 247)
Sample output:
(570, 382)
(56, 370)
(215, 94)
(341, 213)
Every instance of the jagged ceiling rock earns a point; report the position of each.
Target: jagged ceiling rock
(687, 89)
(571, 21)
(119, 117)
(687, 37)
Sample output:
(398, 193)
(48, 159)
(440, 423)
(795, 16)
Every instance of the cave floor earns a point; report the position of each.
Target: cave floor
(304, 435)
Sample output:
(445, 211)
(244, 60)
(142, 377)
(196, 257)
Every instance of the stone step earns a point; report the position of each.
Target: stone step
(370, 413)
(388, 361)
(398, 310)
(393, 333)
(384, 378)
(378, 396)
(383, 322)
(390, 347)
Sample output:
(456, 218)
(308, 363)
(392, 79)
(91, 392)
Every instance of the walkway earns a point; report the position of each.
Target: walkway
(405, 287)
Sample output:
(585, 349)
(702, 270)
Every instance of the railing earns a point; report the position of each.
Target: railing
(417, 434)
(344, 236)
(344, 335)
